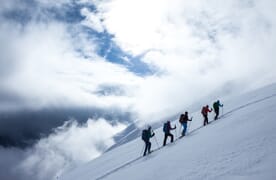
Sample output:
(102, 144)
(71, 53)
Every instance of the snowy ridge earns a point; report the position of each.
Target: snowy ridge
(224, 115)
(244, 141)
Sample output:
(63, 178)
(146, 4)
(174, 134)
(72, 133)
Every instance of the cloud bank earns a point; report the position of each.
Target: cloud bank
(187, 45)
(195, 47)
(68, 146)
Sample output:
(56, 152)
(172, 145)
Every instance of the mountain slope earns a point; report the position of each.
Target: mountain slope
(240, 145)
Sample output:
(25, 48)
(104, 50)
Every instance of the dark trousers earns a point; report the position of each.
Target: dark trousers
(205, 120)
(217, 113)
(165, 138)
(147, 147)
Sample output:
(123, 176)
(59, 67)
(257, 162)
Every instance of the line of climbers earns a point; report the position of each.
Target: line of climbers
(183, 120)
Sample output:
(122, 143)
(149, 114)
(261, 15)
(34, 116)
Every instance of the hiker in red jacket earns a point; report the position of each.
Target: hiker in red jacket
(204, 112)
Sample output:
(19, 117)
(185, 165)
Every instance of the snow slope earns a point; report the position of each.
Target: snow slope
(240, 145)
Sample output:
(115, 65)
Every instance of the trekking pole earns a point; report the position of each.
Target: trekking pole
(179, 132)
(175, 132)
(156, 141)
(188, 128)
(142, 149)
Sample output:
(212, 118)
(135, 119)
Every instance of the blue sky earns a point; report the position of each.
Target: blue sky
(71, 15)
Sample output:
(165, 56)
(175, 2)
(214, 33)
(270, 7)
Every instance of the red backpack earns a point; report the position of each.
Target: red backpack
(203, 110)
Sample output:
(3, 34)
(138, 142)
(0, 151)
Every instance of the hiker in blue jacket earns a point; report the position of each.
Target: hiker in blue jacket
(183, 120)
(166, 129)
(216, 106)
(146, 135)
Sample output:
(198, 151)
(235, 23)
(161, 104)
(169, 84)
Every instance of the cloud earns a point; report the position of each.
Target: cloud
(189, 45)
(45, 80)
(49, 71)
(9, 159)
(69, 146)
(193, 46)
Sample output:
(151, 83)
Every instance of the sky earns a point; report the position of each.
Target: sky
(148, 59)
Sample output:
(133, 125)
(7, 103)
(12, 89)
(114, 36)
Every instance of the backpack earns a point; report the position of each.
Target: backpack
(144, 134)
(204, 110)
(216, 105)
(166, 127)
(181, 118)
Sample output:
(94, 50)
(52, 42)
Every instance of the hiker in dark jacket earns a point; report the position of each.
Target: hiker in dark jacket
(183, 120)
(146, 135)
(205, 110)
(166, 129)
(216, 106)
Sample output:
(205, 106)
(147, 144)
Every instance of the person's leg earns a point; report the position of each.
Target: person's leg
(149, 146)
(171, 137)
(165, 139)
(216, 112)
(184, 129)
(205, 120)
(146, 147)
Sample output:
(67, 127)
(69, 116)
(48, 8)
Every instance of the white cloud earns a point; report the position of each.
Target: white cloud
(69, 146)
(195, 45)
(49, 71)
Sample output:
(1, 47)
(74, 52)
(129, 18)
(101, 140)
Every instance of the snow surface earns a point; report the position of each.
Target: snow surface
(240, 145)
